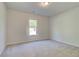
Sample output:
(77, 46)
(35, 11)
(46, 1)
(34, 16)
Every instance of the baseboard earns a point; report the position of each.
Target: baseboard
(26, 42)
(66, 43)
(3, 51)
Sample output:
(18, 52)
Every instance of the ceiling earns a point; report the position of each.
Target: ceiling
(52, 9)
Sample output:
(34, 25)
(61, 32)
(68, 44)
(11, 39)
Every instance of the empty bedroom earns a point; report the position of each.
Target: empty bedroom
(39, 29)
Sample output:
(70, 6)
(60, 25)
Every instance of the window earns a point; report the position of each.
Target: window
(32, 27)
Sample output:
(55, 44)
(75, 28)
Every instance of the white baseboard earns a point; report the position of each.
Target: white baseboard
(67, 43)
(2, 50)
(17, 43)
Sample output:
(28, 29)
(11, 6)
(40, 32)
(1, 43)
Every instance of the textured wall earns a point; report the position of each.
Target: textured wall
(2, 26)
(18, 27)
(65, 27)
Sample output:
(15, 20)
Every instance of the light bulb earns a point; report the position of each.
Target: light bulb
(44, 4)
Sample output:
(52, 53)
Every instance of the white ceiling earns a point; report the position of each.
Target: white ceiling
(52, 9)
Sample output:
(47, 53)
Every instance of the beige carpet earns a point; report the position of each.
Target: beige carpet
(47, 48)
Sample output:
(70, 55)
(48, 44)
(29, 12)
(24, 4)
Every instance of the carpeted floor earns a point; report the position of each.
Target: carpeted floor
(47, 48)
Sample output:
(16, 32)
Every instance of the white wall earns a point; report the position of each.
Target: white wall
(65, 27)
(2, 27)
(18, 23)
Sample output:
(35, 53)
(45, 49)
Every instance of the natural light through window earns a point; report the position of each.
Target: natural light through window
(32, 27)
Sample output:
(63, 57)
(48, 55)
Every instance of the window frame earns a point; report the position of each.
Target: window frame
(36, 24)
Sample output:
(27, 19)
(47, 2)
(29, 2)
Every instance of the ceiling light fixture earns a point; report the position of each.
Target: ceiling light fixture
(44, 4)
